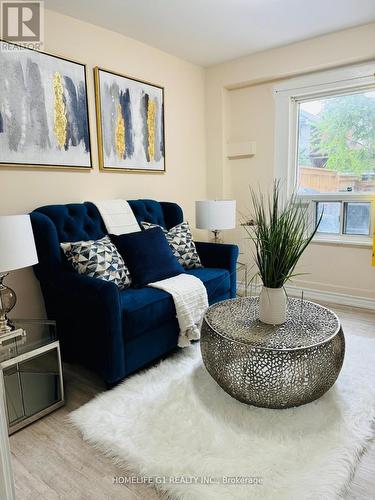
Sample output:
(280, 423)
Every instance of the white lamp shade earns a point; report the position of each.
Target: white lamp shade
(17, 245)
(215, 214)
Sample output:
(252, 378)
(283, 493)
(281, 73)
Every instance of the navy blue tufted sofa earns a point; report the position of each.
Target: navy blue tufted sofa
(115, 332)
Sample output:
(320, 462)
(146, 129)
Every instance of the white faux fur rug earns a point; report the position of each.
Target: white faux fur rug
(175, 421)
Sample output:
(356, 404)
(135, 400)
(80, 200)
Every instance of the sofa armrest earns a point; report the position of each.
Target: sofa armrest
(222, 256)
(89, 318)
(87, 289)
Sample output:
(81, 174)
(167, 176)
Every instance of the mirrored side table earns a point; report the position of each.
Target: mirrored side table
(32, 372)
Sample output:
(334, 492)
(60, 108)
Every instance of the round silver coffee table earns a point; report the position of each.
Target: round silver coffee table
(272, 366)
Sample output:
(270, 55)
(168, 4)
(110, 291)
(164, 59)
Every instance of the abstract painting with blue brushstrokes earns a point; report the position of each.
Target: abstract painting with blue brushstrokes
(130, 119)
(43, 110)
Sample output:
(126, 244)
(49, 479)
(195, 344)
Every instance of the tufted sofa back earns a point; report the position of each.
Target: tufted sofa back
(54, 224)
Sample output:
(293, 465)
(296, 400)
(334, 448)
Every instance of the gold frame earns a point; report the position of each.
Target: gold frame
(102, 168)
(34, 166)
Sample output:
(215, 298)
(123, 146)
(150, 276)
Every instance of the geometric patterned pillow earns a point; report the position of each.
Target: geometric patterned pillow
(98, 259)
(181, 242)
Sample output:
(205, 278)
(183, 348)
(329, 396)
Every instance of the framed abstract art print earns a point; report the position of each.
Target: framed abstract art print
(130, 122)
(43, 110)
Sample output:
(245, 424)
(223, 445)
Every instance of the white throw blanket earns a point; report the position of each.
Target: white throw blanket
(190, 300)
(118, 217)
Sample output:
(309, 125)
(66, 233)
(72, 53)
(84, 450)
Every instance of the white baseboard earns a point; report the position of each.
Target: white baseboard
(321, 296)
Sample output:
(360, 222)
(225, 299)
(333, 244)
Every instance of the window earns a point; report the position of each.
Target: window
(357, 218)
(343, 218)
(325, 148)
(336, 144)
(330, 213)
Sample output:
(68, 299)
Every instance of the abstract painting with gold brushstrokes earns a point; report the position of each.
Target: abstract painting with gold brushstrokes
(130, 123)
(43, 110)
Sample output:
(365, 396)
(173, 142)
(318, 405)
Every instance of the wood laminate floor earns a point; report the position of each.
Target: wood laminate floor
(51, 461)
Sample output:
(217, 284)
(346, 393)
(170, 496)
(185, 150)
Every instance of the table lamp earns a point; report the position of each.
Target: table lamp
(215, 215)
(17, 250)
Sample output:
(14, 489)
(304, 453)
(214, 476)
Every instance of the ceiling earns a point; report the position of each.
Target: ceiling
(207, 32)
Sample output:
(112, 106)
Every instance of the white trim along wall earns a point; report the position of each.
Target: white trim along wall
(318, 295)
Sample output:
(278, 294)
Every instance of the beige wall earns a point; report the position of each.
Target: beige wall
(239, 114)
(240, 107)
(185, 180)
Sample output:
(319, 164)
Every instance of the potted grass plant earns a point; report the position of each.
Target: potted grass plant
(281, 232)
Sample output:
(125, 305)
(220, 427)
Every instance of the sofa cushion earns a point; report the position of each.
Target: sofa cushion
(148, 256)
(181, 242)
(216, 281)
(148, 210)
(146, 308)
(98, 259)
(75, 221)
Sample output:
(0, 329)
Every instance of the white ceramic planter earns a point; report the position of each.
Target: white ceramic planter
(272, 306)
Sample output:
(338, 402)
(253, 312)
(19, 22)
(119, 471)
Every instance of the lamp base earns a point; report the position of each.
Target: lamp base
(216, 238)
(8, 300)
(4, 325)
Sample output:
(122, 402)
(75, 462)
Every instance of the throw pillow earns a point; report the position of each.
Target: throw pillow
(148, 256)
(98, 259)
(181, 241)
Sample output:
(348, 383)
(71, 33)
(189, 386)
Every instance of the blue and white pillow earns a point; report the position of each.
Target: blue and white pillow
(98, 259)
(181, 242)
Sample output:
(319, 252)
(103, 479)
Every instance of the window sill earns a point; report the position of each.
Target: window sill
(339, 196)
(360, 242)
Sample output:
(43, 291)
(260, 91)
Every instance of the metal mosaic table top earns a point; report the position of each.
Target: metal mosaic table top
(307, 324)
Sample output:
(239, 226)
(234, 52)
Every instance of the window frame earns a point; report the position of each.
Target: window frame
(288, 95)
(341, 238)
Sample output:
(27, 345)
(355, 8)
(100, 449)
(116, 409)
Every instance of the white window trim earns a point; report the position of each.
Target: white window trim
(287, 96)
